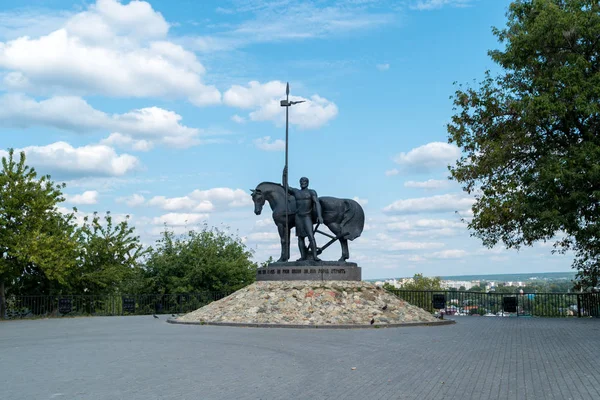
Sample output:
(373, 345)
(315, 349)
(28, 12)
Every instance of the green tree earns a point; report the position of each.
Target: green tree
(36, 240)
(210, 260)
(421, 282)
(477, 288)
(266, 263)
(529, 135)
(109, 257)
(506, 289)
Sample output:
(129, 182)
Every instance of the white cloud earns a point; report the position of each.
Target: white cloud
(28, 22)
(237, 119)
(264, 225)
(203, 201)
(180, 219)
(399, 226)
(264, 100)
(155, 123)
(132, 201)
(254, 95)
(392, 172)
(87, 197)
(362, 202)
(383, 67)
(429, 156)
(91, 160)
(437, 224)
(405, 245)
(312, 114)
(264, 237)
(435, 4)
(226, 196)
(428, 184)
(429, 228)
(181, 204)
(439, 203)
(138, 129)
(266, 144)
(449, 254)
(432, 232)
(273, 22)
(110, 49)
(61, 112)
(127, 142)
(389, 243)
(137, 18)
(404, 225)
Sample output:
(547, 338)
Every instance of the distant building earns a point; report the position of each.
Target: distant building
(456, 284)
(512, 283)
(397, 283)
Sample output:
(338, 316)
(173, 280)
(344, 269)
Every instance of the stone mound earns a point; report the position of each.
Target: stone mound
(310, 303)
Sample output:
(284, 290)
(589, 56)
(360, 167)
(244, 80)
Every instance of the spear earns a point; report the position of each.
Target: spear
(287, 104)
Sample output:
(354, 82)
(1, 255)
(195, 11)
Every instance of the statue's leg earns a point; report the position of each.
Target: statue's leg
(287, 246)
(302, 248)
(284, 245)
(313, 246)
(345, 252)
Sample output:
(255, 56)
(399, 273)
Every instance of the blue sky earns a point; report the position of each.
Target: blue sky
(168, 112)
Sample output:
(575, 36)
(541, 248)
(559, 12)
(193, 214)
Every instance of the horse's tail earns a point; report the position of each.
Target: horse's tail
(353, 221)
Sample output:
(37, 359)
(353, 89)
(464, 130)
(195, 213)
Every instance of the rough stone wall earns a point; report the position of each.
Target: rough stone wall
(310, 303)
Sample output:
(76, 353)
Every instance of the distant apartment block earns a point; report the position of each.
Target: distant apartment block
(457, 284)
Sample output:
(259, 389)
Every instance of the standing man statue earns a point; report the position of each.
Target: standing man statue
(305, 199)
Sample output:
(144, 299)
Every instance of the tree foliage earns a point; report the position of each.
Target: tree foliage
(37, 245)
(109, 256)
(529, 135)
(209, 260)
(44, 251)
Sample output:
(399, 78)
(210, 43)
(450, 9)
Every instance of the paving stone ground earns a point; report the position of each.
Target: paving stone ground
(146, 358)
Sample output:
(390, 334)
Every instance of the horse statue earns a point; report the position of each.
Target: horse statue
(344, 217)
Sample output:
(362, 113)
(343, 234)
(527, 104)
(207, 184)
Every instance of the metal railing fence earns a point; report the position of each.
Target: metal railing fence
(105, 305)
(451, 302)
(497, 304)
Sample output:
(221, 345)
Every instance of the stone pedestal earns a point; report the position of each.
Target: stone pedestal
(310, 271)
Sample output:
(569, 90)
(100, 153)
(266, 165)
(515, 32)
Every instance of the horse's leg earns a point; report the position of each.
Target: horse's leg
(285, 247)
(345, 252)
(336, 229)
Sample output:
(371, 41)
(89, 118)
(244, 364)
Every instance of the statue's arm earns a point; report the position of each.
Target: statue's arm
(317, 206)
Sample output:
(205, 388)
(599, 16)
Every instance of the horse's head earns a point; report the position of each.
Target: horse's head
(259, 200)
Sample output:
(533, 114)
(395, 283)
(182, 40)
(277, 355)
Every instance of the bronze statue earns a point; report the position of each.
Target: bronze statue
(306, 201)
(302, 208)
(344, 217)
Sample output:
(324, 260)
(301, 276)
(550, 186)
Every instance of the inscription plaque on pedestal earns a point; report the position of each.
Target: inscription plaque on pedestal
(310, 271)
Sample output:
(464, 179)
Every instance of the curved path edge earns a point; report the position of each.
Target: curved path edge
(296, 326)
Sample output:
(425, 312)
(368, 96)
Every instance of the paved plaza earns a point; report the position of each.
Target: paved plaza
(145, 358)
